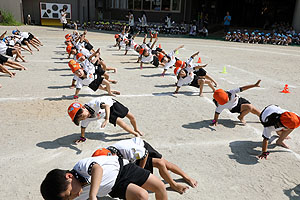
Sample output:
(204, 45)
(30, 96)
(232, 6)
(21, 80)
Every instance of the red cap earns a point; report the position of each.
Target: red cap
(179, 63)
(221, 96)
(160, 57)
(68, 35)
(102, 152)
(73, 109)
(117, 36)
(69, 48)
(79, 55)
(141, 51)
(74, 65)
(290, 120)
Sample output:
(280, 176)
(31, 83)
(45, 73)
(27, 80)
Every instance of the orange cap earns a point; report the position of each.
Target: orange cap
(79, 55)
(73, 109)
(179, 63)
(160, 57)
(290, 120)
(74, 65)
(68, 35)
(221, 96)
(102, 152)
(141, 51)
(117, 36)
(69, 48)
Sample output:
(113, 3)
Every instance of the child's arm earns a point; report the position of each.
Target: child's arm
(264, 153)
(250, 86)
(178, 48)
(76, 93)
(141, 64)
(107, 114)
(200, 66)
(143, 162)
(73, 84)
(135, 35)
(96, 178)
(154, 43)
(195, 54)
(3, 34)
(94, 54)
(123, 31)
(145, 37)
(215, 121)
(177, 89)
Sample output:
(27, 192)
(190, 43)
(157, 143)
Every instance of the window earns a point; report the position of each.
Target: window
(153, 5)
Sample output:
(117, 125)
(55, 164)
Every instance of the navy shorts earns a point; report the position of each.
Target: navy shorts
(117, 110)
(237, 108)
(3, 59)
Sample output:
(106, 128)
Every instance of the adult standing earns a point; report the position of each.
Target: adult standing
(131, 22)
(63, 18)
(227, 20)
(144, 22)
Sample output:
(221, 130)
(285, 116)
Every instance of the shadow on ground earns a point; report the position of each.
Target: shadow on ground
(294, 193)
(68, 140)
(244, 152)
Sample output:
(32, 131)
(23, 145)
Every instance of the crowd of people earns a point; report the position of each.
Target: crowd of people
(124, 170)
(11, 46)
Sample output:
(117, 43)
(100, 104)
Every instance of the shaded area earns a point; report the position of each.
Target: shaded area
(70, 97)
(68, 140)
(294, 193)
(59, 87)
(244, 152)
(59, 69)
(165, 86)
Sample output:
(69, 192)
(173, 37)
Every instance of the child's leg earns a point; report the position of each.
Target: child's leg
(175, 169)
(34, 45)
(131, 117)
(124, 126)
(157, 186)
(18, 55)
(35, 38)
(135, 192)
(211, 79)
(245, 109)
(106, 83)
(27, 44)
(164, 173)
(4, 70)
(15, 64)
(106, 76)
(284, 134)
(105, 68)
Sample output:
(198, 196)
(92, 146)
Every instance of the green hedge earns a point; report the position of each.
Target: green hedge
(8, 19)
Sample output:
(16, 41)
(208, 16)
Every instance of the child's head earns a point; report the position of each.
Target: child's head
(15, 32)
(221, 96)
(102, 152)
(78, 112)
(80, 57)
(60, 184)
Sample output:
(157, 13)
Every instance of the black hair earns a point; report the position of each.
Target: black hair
(54, 184)
(75, 120)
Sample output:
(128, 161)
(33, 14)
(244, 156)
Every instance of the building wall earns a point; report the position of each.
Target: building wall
(296, 19)
(14, 7)
(80, 9)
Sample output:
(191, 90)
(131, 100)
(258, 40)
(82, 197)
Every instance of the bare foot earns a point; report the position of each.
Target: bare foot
(12, 75)
(115, 70)
(282, 144)
(24, 68)
(113, 81)
(111, 94)
(180, 188)
(287, 137)
(80, 140)
(242, 120)
(201, 95)
(72, 86)
(193, 183)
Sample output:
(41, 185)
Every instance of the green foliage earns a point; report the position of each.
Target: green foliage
(8, 19)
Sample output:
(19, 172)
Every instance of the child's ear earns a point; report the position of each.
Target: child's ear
(68, 176)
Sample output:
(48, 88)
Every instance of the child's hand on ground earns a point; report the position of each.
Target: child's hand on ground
(104, 123)
(264, 155)
(214, 123)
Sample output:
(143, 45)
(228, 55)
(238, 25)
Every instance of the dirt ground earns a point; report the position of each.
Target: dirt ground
(37, 134)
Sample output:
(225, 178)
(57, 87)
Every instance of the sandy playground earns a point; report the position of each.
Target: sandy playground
(37, 134)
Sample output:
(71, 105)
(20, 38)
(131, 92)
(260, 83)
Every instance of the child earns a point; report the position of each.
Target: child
(105, 175)
(102, 108)
(273, 118)
(185, 75)
(143, 154)
(130, 44)
(5, 50)
(234, 103)
(147, 55)
(5, 61)
(169, 59)
(91, 77)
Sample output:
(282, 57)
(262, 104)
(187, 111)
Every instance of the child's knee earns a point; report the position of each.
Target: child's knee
(142, 195)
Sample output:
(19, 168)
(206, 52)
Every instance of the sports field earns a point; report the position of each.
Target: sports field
(37, 134)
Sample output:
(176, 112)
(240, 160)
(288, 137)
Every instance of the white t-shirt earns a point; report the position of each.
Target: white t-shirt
(95, 104)
(233, 101)
(3, 47)
(24, 34)
(111, 168)
(85, 52)
(63, 19)
(131, 149)
(172, 61)
(131, 20)
(87, 65)
(190, 75)
(267, 112)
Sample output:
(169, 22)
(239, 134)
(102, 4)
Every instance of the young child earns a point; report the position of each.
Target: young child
(105, 175)
(186, 74)
(5, 50)
(147, 55)
(91, 77)
(143, 154)
(102, 108)
(168, 60)
(5, 61)
(234, 103)
(274, 118)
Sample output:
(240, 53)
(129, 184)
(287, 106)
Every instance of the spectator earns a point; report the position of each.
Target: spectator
(63, 18)
(144, 22)
(131, 22)
(227, 20)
